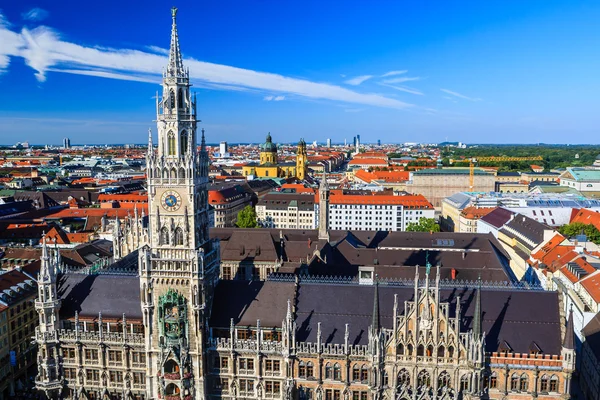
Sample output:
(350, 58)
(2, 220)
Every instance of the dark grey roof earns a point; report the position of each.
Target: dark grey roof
(89, 295)
(281, 201)
(527, 227)
(515, 317)
(508, 173)
(592, 335)
(498, 217)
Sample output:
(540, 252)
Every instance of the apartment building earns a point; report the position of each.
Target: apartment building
(582, 179)
(374, 211)
(227, 201)
(287, 211)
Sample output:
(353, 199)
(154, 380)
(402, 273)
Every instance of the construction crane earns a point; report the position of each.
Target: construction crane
(509, 159)
(472, 162)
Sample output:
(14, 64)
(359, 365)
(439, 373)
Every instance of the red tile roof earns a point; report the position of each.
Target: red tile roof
(586, 216)
(368, 161)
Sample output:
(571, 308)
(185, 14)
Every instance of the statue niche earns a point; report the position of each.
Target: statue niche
(172, 309)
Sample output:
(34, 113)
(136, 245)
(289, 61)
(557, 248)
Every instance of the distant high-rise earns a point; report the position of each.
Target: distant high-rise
(378, 142)
(66, 143)
(328, 142)
(223, 149)
(358, 138)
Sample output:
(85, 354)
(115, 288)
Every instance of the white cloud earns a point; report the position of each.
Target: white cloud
(358, 80)
(392, 73)
(158, 50)
(403, 89)
(44, 50)
(274, 98)
(402, 79)
(460, 96)
(35, 14)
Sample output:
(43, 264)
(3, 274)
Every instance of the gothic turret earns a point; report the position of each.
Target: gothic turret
(568, 349)
(49, 377)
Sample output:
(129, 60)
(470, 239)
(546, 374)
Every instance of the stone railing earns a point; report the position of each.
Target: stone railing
(246, 345)
(107, 337)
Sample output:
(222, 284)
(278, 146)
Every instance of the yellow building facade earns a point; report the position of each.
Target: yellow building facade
(270, 167)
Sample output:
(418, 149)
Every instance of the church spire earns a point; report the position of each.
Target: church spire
(175, 67)
(477, 316)
(376, 323)
(569, 340)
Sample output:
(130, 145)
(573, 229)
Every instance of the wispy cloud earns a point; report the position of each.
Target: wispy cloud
(358, 80)
(403, 89)
(274, 98)
(392, 73)
(158, 50)
(35, 14)
(402, 79)
(354, 110)
(460, 96)
(44, 50)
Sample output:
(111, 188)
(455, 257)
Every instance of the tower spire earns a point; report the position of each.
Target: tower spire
(376, 324)
(569, 340)
(477, 316)
(175, 67)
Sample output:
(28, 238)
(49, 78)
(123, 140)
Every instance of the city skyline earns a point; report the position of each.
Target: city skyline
(399, 73)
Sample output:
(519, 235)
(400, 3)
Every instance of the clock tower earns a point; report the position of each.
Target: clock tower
(179, 266)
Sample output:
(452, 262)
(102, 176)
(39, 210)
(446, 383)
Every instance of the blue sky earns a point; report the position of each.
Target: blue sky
(472, 71)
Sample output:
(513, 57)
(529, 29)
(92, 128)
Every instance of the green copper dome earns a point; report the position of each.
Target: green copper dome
(268, 145)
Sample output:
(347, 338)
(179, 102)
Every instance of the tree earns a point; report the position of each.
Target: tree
(247, 218)
(578, 228)
(424, 225)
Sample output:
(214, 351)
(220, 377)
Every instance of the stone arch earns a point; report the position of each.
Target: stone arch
(409, 349)
(173, 173)
(172, 390)
(181, 175)
(424, 379)
(183, 142)
(171, 143)
(171, 366)
(451, 351)
(420, 350)
(465, 382)
(401, 349)
(444, 380)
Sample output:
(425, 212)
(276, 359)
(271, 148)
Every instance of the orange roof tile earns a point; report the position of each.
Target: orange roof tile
(592, 285)
(368, 161)
(411, 201)
(476, 212)
(586, 216)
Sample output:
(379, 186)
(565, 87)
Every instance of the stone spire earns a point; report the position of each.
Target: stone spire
(150, 145)
(477, 316)
(569, 340)
(175, 67)
(376, 322)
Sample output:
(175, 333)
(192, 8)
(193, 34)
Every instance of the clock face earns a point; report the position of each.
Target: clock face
(171, 200)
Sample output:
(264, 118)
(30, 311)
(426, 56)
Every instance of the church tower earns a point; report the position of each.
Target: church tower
(324, 208)
(49, 378)
(268, 151)
(179, 266)
(301, 160)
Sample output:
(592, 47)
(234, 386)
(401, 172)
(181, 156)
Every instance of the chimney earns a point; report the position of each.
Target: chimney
(309, 243)
(464, 255)
(453, 272)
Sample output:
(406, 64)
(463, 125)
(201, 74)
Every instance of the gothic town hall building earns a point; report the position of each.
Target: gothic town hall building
(177, 328)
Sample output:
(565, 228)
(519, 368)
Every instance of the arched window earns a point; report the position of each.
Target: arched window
(173, 173)
(178, 237)
(355, 373)
(514, 382)
(328, 371)
(266, 172)
(171, 143)
(172, 99)
(180, 99)
(181, 175)
(444, 380)
(183, 142)
(364, 374)
(301, 369)
(171, 367)
(464, 382)
(410, 349)
(337, 372)
(172, 389)
(441, 351)
(493, 381)
(554, 383)
(164, 235)
(429, 351)
(403, 378)
(420, 350)
(386, 379)
(524, 383)
(544, 383)
(423, 379)
(310, 370)
(450, 351)
(401, 349)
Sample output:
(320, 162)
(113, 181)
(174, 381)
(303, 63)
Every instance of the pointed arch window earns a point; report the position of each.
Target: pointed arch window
(164, 235)
(524, 383)
(355, 373)
(171, 99)
(544, 384)
(423, 379)
(444, 380)
(310, 370)
(554, 383)
(302, 370)
(337, 372)
(493, 380)
(403, 378)
(364, 374)
(420, 350)
(464, 382)
(328, 371)
(514, 382)
(171, 143)
(183, 141)
(441, 351)
(178, 237)
(180, 99)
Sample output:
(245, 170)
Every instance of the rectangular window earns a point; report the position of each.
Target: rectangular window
(224, 364)
(246, 365)
(226, 273)
(91, 354)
